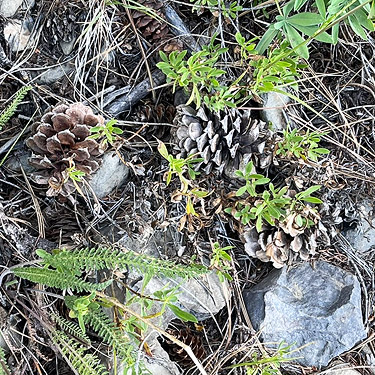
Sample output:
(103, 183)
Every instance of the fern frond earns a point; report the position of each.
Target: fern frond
(4, 369)
(56, 279)
(110, 258)
(72, 328)
(11, 109)
(84, 364)
(110, 333)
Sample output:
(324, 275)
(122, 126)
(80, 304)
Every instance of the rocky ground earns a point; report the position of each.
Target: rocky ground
(309, 287)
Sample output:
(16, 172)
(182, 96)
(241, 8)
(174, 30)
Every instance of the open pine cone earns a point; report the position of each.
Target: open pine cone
(279, 246)
(225, 140)
(151, 26)
(60, 142)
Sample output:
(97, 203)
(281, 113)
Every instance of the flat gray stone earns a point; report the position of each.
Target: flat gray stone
(320, 306)
(111, 174)
(8, 8)
(17, 34)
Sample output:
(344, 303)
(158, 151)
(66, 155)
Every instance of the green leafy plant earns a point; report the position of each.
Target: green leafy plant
(324, 15)
(107, 131)
(251, 180)
(197, 75)
(271, 206)
(11, 109)
(64, 270)
(4, 369)
(260, 365)
(215, 6)
(301, 145)
(220, 260)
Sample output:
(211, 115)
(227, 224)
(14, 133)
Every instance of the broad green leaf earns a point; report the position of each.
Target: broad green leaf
(356, 27)
(305, 19)
(363, 20)
(262, 181)
(321, 151)
(310, 30)
(296, 39)
(266, 40)
(239, 38)
(241, 191)
(181, 314)
(312, 200)
(321, 5)
(239, 174)
(287, 8)
(335, 33)
(249, 167)
(259, 224)
(309, 191)
(164, 57)
(299, 220)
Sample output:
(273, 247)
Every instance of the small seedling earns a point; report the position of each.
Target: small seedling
(252, 180)
(301, 145)
(179, 166)
(108, 132)
(220, 261)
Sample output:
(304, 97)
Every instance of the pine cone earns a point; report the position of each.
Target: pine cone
(226, 140)
(151, 26)
(179, 355)
(276, 246)
(60, 141)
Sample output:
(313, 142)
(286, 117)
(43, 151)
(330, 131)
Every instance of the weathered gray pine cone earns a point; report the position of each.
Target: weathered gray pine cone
(280, 247)
(60, 141)
(226, 141)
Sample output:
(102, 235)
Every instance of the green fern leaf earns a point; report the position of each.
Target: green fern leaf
(110, 333)
(84, 364)
(56, 279)
(110, 258)
(4, 369)
(71, 328)
(11, 109)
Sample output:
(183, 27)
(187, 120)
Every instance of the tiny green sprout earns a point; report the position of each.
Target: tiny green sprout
(251, 180)
(301, 145)
(107, 131)
(220, 261)
(179, 166)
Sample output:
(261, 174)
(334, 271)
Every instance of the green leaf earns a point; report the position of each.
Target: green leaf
(296, 39)
(262, 181)
(241, 191)
(321, 7)
(356, 27)
(312, 200)
(239, 174)
(162, 150)
(321, 151)
(309, 191)
(305, 19)
(163, 57)
(298, 4)
(183, 315)
(266, 40)
(299, 220)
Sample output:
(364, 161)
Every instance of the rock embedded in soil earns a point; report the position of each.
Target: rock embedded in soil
(17, 34)
(320, 305)
(362, 236)
(274, 104)
(8, 8)
(111, 174)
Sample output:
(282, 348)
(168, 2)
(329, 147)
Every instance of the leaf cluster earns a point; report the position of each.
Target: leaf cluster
(214, 6)
(273, 205)
(220, 260)
(197, 74)
(107, 131)
(323, 15)
(301, 145)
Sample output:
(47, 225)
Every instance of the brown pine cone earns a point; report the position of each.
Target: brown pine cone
(179, 355)
(226, 141)
(61, 140)
(152, 26)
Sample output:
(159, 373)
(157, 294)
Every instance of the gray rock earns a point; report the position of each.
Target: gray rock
(362, 237)
(320, 306)
(274, 104)
(159, 363)
(111, 174)
(8, 8)
(17, 34)
(340, 368)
